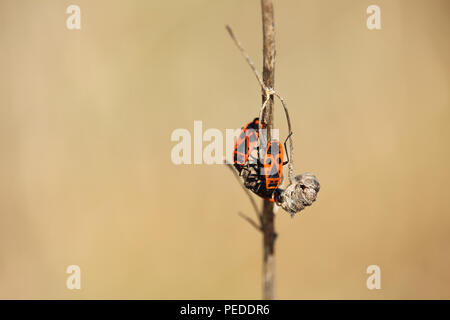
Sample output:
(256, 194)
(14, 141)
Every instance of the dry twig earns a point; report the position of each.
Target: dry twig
(268, 222)
(302, 190)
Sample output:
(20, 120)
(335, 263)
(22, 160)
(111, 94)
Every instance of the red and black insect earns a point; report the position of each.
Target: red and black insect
(261, 172)
(245, 144)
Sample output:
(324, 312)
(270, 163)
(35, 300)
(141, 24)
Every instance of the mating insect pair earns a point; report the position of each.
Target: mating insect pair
(260, 163)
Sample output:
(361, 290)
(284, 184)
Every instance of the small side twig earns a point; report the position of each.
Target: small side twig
(251, 221)
(252, 201)
(246, 56)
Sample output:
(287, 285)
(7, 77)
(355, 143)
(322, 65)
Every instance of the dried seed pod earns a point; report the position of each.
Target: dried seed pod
(300, 194)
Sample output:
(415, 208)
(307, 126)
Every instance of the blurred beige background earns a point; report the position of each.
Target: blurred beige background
(85, 170)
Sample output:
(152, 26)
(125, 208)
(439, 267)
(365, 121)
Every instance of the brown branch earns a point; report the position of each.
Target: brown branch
(268, 223)
(302, 190)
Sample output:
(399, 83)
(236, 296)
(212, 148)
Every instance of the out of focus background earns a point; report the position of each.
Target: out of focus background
(86, 176)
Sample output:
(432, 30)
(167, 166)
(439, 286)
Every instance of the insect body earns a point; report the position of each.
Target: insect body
(245, 144)
(273, 165)
(261, 173)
